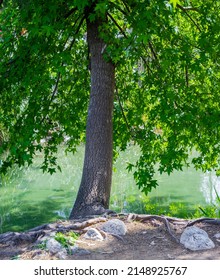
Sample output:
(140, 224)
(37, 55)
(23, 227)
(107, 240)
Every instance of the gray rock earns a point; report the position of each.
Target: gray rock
(217, 235)
(194, 238)
(62, 254)
(93, 234)
(75, 250)
(114, 226)
(54, 246)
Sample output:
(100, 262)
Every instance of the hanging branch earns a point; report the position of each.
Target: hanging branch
(189, 16)
(152, 50)
(59, 74)
(187, 76)
(126, 6)
(125, 36)
(122, 111)
(72, 11)
(119, 27)
(53, 94)
(55, 88)
(76, 32)
(119, 8)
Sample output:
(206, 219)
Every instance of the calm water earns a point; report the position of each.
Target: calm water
(29, 198)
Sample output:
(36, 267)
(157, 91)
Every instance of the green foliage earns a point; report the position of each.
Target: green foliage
(174, 2)
(3, 134)
(212, 211)
(68, 239)
(42, 245)
(167, 80)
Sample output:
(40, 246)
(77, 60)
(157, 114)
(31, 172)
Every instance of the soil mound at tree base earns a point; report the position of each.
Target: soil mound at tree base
(144, 240)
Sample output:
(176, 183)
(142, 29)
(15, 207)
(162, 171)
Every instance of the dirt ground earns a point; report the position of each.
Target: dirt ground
(143, 241)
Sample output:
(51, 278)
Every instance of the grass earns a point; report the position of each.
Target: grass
(213, 210)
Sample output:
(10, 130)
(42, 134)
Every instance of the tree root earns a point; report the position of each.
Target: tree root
(144, 218)
(30, 236)
(14, 238)
(204, 220)
(81, 225)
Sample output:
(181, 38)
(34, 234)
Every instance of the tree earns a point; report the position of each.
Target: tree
(153, 63)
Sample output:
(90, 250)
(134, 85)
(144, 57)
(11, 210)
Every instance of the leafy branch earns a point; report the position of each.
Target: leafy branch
(118, 26)
(77, 31)
(72, 11)
(185, 10)
(119, 8)
(122, 111)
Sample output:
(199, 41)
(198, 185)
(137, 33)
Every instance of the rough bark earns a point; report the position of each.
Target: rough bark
(94, 192)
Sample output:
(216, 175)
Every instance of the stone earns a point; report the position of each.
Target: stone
(53, 246)
(217, 235)
(93, 234)
(194, 238)
(114, 226)
(75, 250)
(61, 255)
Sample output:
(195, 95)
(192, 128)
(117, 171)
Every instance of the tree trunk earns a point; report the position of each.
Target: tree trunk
(94, 192)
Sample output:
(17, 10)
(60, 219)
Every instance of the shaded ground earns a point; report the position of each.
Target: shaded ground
(142, 241)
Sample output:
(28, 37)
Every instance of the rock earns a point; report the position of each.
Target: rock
(54, 246)
(194, 238)
(93, 234)
(217, 235)
(170, 257)
(62, 254)
(114, 226)
(75, 250)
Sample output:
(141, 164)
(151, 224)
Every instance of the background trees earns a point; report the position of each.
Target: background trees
(166, 65)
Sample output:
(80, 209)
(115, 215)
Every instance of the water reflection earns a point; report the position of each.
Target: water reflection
(210, 187)
(29, 198)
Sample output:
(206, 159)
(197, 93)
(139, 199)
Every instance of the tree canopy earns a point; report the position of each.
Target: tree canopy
(166, 56)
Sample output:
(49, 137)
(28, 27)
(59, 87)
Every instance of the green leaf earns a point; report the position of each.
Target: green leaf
(175, 2)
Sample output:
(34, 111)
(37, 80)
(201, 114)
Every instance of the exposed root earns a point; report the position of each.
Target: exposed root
(105, 234)
(144, 218)
(204, 220)
(15, 238)
(81, 225)
(32, 235)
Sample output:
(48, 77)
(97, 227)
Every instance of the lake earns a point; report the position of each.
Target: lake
(29, 198)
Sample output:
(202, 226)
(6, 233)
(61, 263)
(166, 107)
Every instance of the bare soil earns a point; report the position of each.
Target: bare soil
(143, 241)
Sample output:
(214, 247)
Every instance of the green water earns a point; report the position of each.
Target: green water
(29, 198)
